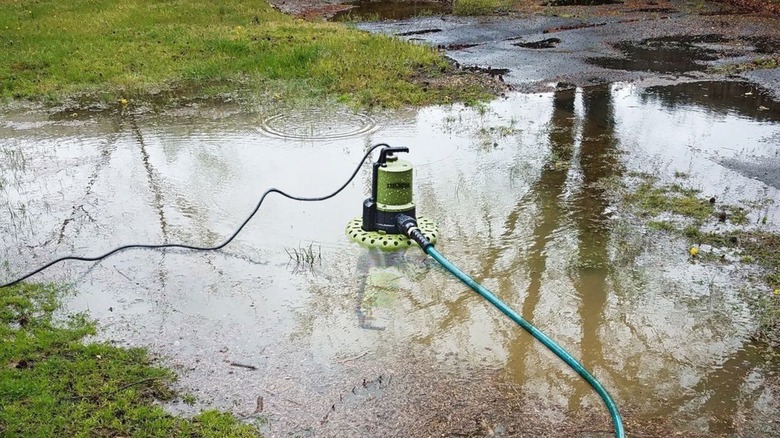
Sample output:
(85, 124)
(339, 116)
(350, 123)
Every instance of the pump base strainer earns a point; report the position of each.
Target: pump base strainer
(389, 242)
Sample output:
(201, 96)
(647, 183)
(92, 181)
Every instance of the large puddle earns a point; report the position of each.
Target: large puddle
(351, 344)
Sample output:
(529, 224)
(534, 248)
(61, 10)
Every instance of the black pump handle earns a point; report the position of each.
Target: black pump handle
(389, 151)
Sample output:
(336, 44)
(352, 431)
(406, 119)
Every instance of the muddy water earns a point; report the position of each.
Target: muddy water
(345, 343)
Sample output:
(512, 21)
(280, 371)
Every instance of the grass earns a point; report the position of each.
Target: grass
(759, 63)
(105, 50)
(653, 200)
(661, 226)
(54, 384)
(478, 7)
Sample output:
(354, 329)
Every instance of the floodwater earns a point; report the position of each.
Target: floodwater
(342, 342)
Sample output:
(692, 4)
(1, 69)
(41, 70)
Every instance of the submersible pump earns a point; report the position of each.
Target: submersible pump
(391, 199)
(390, 223)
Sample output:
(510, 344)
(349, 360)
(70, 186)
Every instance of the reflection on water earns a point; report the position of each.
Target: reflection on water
(669, 54)
(720, 97)
(529, 213)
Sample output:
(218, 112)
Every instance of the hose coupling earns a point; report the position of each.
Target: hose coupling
(407, 225)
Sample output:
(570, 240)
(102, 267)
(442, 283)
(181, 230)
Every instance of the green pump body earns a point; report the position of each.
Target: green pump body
(391, 193)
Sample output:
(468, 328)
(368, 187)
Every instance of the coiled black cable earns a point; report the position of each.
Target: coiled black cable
(204, 248)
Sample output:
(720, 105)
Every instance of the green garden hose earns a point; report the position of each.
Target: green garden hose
(536, 333)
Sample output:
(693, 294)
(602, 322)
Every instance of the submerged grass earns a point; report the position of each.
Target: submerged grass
(109, 49)
(653, 200)
(757, 246)
(53, 384)
(763, 248)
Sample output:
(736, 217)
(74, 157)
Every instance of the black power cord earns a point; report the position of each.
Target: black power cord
(204, 248)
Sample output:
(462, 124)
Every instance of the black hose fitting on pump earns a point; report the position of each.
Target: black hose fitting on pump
(407, 225)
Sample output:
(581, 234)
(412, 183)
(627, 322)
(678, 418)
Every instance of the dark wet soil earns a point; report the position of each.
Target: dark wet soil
(548, 43)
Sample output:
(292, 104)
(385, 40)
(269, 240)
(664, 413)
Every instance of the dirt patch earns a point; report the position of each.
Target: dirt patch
(463, 403)
(491, 79)
(759, 6)
(313, 13)
(310, 9)
(548, 43)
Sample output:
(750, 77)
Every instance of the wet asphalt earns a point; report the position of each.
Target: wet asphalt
(538, 52)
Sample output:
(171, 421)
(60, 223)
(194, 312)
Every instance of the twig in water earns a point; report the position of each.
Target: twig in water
(350, 359)
(241, 365)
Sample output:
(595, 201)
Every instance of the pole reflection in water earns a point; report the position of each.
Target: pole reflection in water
(598, 162)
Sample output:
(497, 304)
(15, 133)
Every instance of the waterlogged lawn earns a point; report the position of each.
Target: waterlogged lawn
(52, 384)
(684, 211)
(112, 49)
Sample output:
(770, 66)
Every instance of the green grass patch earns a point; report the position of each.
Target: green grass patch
(652, 201)
(53, 384)
(661, 226)
(110, 49)
(478, 7)
(760, 63)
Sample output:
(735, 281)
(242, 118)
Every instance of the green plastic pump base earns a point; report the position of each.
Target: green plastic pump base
(389, 242)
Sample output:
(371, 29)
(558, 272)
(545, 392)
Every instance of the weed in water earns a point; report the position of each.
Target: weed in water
(767, 309)
(304, 257)
(189, 399)
(737, 215)
(653, 201)
(53, 384)
(661, 226)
